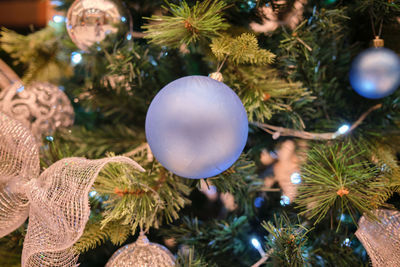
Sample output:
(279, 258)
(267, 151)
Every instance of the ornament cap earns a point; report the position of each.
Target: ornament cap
(142, 240)
(378, 42)
(216, 76)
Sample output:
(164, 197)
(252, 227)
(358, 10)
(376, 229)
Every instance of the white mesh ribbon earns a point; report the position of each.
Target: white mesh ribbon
(56, 201)
(381, 238)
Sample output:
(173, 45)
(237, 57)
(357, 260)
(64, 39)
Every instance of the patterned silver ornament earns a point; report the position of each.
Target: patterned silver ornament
(42, 107)
(381, 237)
(90, 21)
(142, 253)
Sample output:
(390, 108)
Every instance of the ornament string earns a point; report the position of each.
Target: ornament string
(277, 131)
(373, 25)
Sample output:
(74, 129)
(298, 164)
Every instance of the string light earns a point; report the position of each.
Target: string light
(258, 202)
(76, 58)
(285, 200)
(56, 3)
(58, 18)
(295, 178)
(256, 244)
(343, 129)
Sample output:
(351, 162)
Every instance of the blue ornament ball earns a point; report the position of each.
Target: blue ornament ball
(196, 127)
(375, 73)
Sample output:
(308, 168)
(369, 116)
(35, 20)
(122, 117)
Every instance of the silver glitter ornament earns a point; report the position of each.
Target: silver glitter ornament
(42, 107)
(90, 21)
(142, 253)
(381, 237)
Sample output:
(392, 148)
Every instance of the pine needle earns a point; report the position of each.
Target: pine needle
(187, 24)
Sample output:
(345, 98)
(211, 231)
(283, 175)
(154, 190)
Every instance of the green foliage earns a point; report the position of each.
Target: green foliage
(45, 60)
(286, 242)
(190, 258)
(95, 235)
(380, 9)
(187, 24)
(242, 182)
(53, 151)
(126, 81)
(222, 242)
(241, 49)
(340, 177)
(11, 248)
(327, 247)
(264, 93)
(316, 54)
(107, 138)
(141, 199)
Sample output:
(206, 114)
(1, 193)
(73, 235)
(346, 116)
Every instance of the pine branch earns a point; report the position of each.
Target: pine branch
(264, 93)
(286, 242)
(52, 151)
(107, 138)
(191, 258)
(328, 248)
(340, 177)
(95, 235)
(241, 50)
(277, 131)
(141, 199)
(186, 24)
(222, 242)
(242, 182)
(317, 54)
(45, 60)
(11, 248)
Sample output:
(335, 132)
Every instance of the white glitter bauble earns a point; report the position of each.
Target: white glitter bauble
(142, 253)
(90, 21)
(42, 107)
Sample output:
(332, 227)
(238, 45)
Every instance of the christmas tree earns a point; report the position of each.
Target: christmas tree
(318, 180)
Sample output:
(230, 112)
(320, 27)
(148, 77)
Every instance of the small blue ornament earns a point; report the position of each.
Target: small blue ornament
(196, 127)
(375, 73)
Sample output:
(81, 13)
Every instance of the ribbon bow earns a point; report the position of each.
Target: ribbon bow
(381, 237)
(56, 201)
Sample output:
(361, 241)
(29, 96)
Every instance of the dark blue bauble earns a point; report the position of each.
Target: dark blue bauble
(196, 127)
(375, 73)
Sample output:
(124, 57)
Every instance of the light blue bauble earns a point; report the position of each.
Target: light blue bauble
(375, 73)
(196, 127)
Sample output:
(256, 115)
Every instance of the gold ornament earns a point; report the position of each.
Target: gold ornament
(216, 76)
(142, 253)
(42, 107)
(381, 238)
(56, 201)
(90, 21)
(378, 42)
